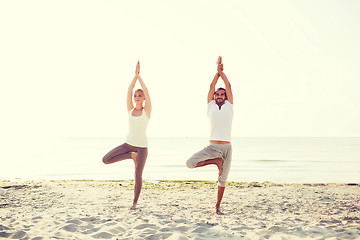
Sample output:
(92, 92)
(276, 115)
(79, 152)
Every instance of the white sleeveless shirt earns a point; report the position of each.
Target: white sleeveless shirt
(137, 130)
(220, 121)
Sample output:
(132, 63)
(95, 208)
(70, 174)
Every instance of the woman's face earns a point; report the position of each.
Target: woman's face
(139, 97)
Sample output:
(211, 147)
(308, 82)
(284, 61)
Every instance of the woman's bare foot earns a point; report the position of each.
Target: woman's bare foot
(133, 207)
(134, 156)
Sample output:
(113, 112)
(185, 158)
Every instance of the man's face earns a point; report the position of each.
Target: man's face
(219, 96)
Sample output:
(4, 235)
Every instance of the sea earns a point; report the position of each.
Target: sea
(278, 160)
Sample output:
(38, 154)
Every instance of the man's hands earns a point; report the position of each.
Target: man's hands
(220, 73)
(220, 66)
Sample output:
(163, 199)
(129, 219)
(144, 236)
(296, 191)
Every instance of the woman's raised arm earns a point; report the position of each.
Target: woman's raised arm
(130, 104)
(147, 106)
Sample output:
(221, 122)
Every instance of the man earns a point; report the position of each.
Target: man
(220, 113)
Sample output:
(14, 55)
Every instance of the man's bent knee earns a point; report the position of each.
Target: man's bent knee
(190, 164)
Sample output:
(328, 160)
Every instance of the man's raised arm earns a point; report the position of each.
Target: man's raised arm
(212, 88)
(226, 81)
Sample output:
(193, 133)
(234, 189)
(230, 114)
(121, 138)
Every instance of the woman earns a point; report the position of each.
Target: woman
(135, 146)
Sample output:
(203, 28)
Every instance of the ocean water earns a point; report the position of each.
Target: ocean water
(280, 160)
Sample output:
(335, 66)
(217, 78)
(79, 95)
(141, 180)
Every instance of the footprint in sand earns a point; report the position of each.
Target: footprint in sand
(200, 230)
(16, 235)
(117, 230)
(77, 225)
(179, 220)
(2, 227)
(70, 227)
(142, 226)
(96, 228)
(103, 235)
(89, 219)
(110, 223)
(158, 236)
(91, 230)
(181, 229)
(75, 221)
(6, 232)
(19, 235)
(37, 238)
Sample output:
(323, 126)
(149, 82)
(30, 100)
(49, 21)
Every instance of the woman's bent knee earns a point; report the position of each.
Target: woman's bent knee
(105, 160)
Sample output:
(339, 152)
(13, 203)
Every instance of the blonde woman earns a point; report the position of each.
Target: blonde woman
(135, 146)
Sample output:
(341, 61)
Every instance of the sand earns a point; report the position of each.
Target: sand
(177, 210)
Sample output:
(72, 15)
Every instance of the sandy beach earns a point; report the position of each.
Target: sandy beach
(177, 210)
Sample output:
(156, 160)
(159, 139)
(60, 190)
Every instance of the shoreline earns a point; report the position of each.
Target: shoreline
(177, 209)
(230, 183)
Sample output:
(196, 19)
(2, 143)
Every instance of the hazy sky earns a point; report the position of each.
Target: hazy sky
(65, 66)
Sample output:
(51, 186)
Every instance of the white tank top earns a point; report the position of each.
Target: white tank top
(220, 120)
(137, 130)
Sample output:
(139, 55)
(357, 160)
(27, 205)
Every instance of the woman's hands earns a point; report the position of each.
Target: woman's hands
(137, 70)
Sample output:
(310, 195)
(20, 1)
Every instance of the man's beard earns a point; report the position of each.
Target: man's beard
(219, 100)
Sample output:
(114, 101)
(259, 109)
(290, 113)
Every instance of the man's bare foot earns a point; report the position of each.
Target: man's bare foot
(134, 156)
(133, 207)
(217, 210)
(217, 161)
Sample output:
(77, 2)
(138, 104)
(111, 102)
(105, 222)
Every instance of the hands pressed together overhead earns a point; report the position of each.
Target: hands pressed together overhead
(137, 70)
(220, 65)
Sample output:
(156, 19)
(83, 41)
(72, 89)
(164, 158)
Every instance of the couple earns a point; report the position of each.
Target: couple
(220, 113)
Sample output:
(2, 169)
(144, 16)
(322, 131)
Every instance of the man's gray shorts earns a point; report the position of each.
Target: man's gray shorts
(212, 151)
